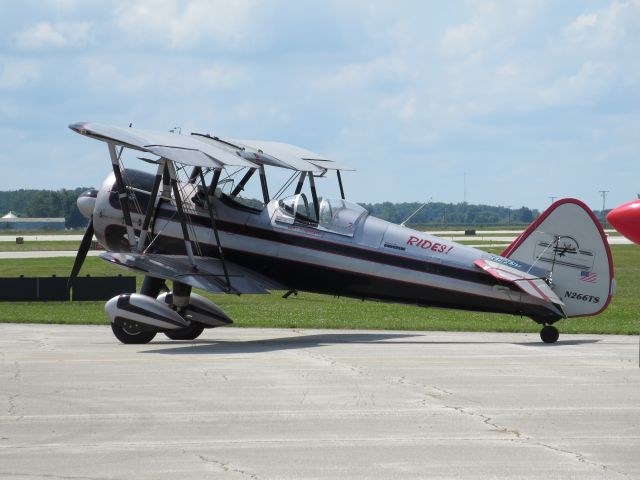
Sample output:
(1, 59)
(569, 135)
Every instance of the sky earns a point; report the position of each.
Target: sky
(526, 100)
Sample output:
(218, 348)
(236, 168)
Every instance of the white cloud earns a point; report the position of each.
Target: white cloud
(180, 24)
(604, 28)
(462, 39)
(18, 73)
(408, 110)
(582, 23)
(508, 70)
(249, 110)
(174, 78)
(224, 77)
(578, 89)
(358, 75)
(105, 76)
(56, 35)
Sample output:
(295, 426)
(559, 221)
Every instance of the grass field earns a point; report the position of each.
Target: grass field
(320, 311)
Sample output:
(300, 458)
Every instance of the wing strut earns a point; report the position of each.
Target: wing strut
(151, 206)
(340, 183)
(263, 184)
(314, 195)
(240, 187)
(212, 215)
(123, 195)
(300, 182)
(194, 174)
(181, 214)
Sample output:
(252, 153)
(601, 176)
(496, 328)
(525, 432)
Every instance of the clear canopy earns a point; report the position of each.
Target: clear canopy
(333, 215)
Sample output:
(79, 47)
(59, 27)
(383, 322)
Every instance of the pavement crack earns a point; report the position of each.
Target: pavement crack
(225, 467)
(337, 365)
(487, 421)
(518, 436)
(12, 409)
(581, 458)
(431, 391)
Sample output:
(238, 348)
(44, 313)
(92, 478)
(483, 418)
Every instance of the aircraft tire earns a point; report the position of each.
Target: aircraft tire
(191, 332)
(130, 335)
(549, 334)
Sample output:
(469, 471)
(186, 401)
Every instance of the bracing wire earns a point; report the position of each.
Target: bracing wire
(286, 185)
(554, 244)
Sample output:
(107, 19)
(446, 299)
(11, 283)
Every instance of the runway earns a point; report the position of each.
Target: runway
(323, 404)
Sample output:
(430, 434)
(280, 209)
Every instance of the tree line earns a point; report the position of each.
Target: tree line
(62, 203)
(45, 203)
(451, 214)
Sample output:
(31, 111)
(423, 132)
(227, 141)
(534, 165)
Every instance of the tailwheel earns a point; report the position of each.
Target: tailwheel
(191, 332)
(132, 333)
(549, 334)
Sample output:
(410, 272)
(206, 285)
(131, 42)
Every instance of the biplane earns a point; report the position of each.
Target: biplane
(186, 219)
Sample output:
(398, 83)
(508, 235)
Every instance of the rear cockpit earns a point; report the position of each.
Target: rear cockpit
(333, 215)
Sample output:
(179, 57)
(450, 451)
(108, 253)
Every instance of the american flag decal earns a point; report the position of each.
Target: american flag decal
(590, 277)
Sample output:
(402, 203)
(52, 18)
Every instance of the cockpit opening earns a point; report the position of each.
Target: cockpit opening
(335, 215)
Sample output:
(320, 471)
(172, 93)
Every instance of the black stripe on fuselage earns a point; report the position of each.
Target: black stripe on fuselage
(336, 281)
(165, 212)
(351, 251)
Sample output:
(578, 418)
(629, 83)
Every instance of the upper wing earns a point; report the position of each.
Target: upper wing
(296, 157)
(184, 149)
(200, 150)
(209, 275)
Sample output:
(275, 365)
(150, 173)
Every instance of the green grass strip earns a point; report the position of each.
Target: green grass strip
(321, 311)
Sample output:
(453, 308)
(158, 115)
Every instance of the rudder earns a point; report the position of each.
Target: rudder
(568, 242)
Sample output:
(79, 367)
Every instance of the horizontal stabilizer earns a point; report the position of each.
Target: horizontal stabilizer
(530, 284)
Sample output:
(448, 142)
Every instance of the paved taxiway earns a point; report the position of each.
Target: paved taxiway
(287, 404)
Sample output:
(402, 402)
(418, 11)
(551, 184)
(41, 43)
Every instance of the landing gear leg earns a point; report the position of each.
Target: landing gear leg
(181, 295)
(151, 286)
(549, 334)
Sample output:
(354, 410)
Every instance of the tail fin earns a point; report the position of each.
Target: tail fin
(568, 242)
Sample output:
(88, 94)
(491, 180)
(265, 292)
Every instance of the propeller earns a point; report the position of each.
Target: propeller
(85, 244)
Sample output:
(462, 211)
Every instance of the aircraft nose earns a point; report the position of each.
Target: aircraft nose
(87, 201)
(626, 220)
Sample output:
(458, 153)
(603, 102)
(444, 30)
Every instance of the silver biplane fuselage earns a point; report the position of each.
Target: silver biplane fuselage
(346, 253)
(191, 231)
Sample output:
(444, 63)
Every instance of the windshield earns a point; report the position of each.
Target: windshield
(340, 216)
(334, 215)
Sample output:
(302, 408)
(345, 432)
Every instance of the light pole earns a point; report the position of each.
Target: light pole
(604, 197)
(553, 199)
(509, 210)
(464, 187)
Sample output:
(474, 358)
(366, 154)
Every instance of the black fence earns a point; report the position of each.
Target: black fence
(51, 289)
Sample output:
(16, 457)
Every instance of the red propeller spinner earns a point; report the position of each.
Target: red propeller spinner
(626, 220)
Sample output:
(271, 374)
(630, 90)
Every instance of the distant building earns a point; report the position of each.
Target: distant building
(12, 222)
